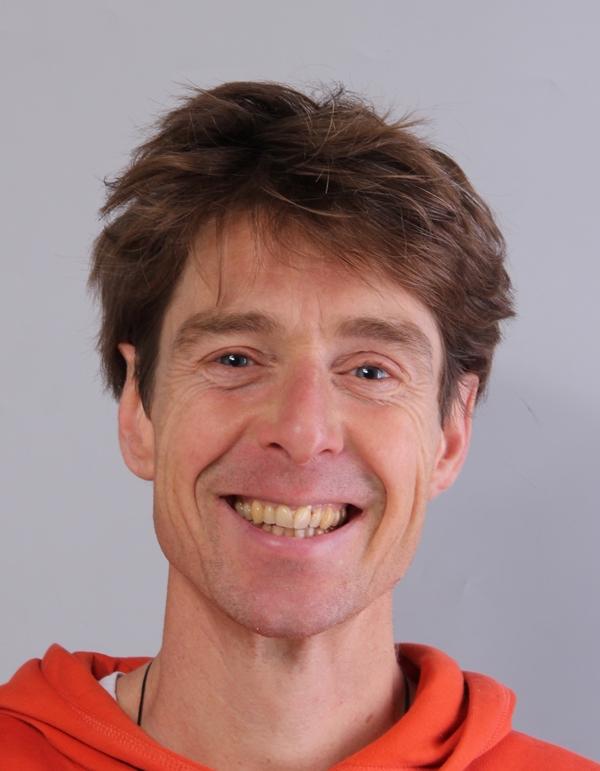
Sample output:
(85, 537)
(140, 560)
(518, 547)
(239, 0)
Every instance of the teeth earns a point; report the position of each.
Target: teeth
(284, 516)
(244, 509)
(258, 514)
(302, 517)
(327, 518)
(302, 522)
(315, 517)
(268, 514)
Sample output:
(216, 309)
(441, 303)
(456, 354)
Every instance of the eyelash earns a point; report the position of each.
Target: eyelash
(371, 366)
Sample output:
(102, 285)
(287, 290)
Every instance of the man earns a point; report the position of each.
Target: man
(300, 303)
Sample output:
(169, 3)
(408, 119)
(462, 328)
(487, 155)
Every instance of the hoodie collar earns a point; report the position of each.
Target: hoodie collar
(455, 716)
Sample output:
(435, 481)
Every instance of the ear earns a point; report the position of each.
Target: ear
(455, 437)
(136, 433)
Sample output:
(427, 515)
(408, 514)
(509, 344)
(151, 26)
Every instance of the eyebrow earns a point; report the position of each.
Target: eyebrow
(213, 322)
(398, 332)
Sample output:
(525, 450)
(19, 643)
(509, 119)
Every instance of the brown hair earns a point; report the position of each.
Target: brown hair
(364, 188)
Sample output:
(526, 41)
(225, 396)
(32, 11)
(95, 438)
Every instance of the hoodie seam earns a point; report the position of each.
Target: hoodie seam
(150, 752)
(501, 720)
(395, 766)
(139, 743)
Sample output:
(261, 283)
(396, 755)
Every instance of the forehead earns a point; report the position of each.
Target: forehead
(238, 269)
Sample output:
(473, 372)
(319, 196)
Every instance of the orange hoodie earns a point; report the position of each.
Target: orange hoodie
(55, 716)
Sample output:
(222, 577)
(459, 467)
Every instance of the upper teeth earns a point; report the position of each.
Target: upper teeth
(323, 517)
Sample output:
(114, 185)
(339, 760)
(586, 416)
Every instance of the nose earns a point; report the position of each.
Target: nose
(301, 419)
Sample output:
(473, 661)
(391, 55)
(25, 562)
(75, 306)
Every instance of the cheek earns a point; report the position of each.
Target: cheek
(399, 444)
(402, 450)
(193, 434)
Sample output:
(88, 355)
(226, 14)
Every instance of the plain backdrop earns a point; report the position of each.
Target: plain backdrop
(506, 579)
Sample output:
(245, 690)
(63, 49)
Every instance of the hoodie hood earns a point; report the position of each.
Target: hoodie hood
(455, 716)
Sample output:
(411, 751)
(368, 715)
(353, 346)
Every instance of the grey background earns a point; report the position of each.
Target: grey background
(506, 579)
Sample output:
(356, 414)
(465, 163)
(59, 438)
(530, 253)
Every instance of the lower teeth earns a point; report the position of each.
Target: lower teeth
(290, 532)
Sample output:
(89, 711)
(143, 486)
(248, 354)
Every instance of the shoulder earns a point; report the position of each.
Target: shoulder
(520, 752)
(22, 746)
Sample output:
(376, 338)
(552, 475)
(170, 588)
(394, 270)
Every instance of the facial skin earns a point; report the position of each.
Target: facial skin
(300, 421)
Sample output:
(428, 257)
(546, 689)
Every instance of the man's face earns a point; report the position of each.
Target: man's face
(302, 387)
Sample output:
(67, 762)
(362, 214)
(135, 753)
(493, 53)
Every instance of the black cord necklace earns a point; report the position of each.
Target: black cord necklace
(141, 705)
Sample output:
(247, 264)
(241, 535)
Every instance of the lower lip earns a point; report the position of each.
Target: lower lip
(313, 546)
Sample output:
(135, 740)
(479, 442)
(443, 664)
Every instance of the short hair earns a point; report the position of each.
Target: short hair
(365, 189)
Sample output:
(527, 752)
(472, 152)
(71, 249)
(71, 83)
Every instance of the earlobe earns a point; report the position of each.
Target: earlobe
(136, 433)
(456, 436)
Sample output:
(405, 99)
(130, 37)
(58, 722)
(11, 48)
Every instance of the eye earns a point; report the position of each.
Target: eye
(371, 372)
(235, 360)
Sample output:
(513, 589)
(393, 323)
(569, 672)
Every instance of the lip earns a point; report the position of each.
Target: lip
(315, 546)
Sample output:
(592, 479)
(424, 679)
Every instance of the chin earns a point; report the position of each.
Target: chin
(289, 619)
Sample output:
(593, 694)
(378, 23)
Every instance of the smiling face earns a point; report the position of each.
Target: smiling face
(294, 396)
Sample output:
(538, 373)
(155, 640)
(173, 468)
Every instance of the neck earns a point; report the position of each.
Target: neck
(290, 704)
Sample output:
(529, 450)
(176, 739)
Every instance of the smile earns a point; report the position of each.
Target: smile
(294, 522)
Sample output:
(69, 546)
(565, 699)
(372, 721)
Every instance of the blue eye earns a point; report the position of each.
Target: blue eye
(234, 360)
(370, 372)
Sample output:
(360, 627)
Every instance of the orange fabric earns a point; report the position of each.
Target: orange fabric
(55, 715)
